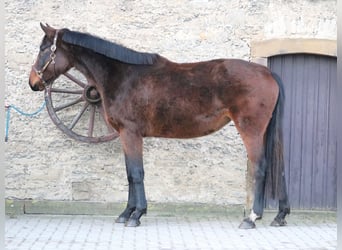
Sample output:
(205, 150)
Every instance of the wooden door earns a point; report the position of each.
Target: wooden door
(309, 129)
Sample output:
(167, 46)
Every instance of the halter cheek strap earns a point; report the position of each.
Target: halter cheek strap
(51, 60)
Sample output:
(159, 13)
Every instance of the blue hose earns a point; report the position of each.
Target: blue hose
(8, 116)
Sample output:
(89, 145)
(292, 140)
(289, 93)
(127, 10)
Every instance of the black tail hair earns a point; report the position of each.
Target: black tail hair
(274, 149)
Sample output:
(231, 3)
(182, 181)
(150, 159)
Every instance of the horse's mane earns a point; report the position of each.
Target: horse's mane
(107, 48)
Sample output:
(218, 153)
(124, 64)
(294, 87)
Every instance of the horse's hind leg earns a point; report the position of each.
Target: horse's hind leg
(284, 208)
(256, 189)
(137, 204)
(258, 197)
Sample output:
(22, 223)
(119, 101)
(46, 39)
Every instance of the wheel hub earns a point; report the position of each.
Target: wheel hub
(91, 94)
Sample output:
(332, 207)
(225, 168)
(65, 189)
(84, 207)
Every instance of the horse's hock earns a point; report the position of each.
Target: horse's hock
(48, 165)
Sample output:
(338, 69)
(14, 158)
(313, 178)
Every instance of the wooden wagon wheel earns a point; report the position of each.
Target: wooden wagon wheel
(77, 110)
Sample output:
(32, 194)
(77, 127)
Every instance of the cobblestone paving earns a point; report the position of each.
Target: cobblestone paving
(36, 232)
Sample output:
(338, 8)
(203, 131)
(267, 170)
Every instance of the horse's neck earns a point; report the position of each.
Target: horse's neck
(83, 63)
(90, 65)
(96, 69)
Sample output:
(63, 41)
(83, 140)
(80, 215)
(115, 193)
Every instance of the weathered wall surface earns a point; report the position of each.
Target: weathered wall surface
(42, 163)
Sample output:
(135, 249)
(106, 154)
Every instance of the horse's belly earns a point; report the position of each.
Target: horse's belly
(189, 127)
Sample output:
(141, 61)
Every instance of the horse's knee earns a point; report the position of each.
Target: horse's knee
(136, 175)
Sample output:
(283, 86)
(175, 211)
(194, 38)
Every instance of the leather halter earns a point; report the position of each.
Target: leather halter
(51, 60)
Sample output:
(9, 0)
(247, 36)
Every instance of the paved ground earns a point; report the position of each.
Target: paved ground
(35, 232)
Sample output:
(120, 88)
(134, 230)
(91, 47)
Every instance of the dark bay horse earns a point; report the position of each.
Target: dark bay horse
(146, 95)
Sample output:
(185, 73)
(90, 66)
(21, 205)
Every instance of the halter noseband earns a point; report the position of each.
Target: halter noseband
(51, 60)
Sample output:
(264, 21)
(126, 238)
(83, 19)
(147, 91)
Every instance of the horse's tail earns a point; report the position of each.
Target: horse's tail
(274, 148)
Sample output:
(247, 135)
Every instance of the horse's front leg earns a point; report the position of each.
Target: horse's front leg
(137, 205)
(130, 208)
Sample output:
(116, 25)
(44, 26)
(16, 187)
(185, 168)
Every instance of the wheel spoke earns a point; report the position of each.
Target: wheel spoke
(67, 91)
(72, 78)
(73, 105)
(78, 116)
(69, 104)
(91, 121)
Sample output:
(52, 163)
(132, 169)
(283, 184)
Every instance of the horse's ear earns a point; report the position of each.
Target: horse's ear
(48, 30)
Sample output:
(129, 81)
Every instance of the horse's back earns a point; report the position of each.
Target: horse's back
(232, 84)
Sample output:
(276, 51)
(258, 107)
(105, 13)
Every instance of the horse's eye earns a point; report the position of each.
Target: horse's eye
(43, 48)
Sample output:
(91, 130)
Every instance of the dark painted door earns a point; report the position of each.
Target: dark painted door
(309, 129)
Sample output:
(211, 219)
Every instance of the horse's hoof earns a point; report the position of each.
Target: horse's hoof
(247, 224)
(121, 220)
(132, 223)
(278, 223)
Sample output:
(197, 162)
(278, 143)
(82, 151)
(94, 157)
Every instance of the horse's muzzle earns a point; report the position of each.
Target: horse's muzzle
(35, 82)
(34, 87)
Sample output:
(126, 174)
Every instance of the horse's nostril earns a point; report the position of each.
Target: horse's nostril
(35, 87)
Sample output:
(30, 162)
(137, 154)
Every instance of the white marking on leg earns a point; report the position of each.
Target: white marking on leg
(253, 216)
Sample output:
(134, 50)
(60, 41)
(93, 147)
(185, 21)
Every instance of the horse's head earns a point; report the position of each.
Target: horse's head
(52, 60)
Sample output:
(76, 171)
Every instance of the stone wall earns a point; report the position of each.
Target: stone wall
(43, 164)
